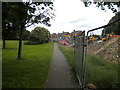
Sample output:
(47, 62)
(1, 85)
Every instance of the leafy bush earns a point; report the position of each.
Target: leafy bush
(31, 43)
(25, 35)
(38, 36)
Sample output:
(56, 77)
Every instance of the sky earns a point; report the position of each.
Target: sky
(73, 15)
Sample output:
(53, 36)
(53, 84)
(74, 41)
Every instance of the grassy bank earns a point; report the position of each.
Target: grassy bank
(69, 54)
(32, 71)
(99, 72)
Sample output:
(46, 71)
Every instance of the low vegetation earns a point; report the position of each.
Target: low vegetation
(69, 54)
(99, 72)
(32, 71)
(38, 36)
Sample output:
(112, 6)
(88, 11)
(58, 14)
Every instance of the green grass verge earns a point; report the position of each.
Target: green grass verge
(32, 71)
(99, 72)
(69, 54)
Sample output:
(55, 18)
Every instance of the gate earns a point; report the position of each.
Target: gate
(79, 57)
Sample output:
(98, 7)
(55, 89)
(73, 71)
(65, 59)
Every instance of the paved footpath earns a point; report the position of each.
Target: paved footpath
(60, 75)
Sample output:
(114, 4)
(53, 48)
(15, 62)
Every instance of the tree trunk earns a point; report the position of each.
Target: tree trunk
(4, 44)
(20, 43)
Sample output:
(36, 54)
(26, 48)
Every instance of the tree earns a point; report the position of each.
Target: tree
(25, 35)
(38, 36)
(113, 28)
(7, 26)
(23, 14)
(101, 4)
(96, 36)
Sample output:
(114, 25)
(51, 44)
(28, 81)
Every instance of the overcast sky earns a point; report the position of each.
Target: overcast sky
(73, 15)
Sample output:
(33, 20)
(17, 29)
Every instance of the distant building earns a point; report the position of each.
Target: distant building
(66, 36)
(75, 32)
(54, 37)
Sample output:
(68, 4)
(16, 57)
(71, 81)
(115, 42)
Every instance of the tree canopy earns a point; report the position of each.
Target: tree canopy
(115, 27)
(102, 3)
(25, 35)
(26, 14)
(19, 15)
(110, 4)
(38, 36)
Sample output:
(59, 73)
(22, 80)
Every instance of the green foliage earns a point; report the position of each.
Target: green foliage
(99, 72)
(69, 54)
(10, 34)
(9, 30)
(32, 72)
(19, 15)
(96, 36)
(38, 36)
(24, 13)
(13, 34)
(115, 27)
(102, 4)
(25, 35)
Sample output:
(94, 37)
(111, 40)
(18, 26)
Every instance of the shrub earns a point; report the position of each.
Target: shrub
(31, 43)
(38, 36)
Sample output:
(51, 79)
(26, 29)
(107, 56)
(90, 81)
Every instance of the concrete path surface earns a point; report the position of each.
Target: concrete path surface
(60, 75)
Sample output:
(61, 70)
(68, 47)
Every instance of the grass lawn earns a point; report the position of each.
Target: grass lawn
(99, 72)
(32, 71)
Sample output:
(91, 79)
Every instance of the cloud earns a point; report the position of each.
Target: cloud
(84, 25)
(72, 14)
(77, 20)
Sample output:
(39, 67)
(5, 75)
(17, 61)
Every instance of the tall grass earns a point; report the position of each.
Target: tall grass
(99, 72)
(69, 54)
(32, 71)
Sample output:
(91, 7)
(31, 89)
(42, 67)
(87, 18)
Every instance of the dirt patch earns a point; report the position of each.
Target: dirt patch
(107, 49)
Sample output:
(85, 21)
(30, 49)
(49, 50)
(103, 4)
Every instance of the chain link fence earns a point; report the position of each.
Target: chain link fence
(92, 70)
(79, 56)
